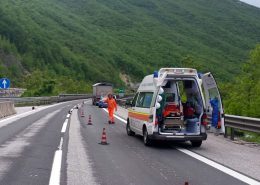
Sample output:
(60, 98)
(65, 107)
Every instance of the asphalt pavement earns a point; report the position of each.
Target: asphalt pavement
(27, 145)
(127, 161)
(50, 146)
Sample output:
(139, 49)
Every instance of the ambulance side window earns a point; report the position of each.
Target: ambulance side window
(140, 100)
(144, 100)
(134, 100)
(148, 99)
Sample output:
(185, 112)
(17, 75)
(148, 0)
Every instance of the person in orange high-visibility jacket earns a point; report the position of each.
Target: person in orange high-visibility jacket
(111, 106)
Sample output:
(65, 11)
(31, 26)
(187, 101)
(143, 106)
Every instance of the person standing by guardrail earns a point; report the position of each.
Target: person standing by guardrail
(111, 106)
(215, 115)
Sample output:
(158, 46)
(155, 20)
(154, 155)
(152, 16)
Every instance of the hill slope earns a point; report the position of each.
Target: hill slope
(82, 41)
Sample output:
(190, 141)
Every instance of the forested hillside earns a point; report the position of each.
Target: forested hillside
(53, 46)
(242, 97)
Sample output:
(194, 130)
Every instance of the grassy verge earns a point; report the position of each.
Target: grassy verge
(245, 135)
(251, 137)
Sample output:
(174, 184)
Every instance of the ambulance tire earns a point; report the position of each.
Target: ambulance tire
(196, 143)
(128, 129)
(147, 141)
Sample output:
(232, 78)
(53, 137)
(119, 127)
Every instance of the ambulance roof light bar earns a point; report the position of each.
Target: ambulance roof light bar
(178, 71)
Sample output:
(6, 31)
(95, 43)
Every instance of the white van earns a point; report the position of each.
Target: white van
(171, 105)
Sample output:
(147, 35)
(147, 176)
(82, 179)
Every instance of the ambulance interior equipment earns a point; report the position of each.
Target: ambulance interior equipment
(181, 106)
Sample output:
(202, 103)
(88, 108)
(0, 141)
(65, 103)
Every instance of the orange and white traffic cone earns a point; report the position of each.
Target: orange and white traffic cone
(89, 120)
(82, 113)
(104, 138)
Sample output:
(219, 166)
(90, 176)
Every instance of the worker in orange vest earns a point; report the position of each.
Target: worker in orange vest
(111, 106)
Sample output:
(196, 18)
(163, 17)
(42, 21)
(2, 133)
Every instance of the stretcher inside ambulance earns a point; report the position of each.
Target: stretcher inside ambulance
(181, 107)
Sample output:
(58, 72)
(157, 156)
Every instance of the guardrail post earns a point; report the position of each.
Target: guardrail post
(226, 133)
(232, 137)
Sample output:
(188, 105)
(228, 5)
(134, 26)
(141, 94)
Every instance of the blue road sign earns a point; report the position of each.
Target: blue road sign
(4, 83)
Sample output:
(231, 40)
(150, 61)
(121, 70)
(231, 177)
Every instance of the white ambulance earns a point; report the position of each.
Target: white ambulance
(172, 105)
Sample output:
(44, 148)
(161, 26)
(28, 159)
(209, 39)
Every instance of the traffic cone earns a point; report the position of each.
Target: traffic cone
(104, 138)
(82, 113)
(89, 120)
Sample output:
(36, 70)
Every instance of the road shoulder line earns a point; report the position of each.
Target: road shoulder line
(220, 167)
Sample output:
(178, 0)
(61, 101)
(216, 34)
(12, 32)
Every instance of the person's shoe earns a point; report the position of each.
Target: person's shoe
(113, 122)
(109, 122)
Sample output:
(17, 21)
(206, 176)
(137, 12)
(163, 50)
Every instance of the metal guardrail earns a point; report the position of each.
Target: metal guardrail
(45, 100)
(242, 123)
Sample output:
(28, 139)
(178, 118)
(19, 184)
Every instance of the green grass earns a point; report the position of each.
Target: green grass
(251, 137)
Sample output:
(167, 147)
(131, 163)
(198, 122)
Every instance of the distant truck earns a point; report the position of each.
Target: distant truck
(100, 90)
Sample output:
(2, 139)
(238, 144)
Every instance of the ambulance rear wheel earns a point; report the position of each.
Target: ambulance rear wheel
(196, 143)
(128, 129)
(146, 138)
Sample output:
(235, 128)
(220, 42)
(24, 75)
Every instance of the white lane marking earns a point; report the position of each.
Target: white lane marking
(121, 119)
(56, 168)
(209, 162)
(220, 167)
(64, 127)
(61, 143)
(68, 115)
(14, 148)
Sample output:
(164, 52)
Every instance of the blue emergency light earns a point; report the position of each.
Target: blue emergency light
(155, 74)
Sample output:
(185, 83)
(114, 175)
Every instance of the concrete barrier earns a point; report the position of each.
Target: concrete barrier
(7, 109)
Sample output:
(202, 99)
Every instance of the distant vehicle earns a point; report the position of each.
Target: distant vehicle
(100, 90)
(170, 105)
(102, 104)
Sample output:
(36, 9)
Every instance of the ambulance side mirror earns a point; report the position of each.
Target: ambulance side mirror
(128, 102)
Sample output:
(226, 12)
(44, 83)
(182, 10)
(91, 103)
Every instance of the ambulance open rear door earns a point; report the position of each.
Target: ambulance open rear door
(211, 92)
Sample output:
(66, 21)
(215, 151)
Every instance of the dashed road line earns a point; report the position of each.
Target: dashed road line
(64, 127)
(61, 143)
(57, 160)
(56, 168)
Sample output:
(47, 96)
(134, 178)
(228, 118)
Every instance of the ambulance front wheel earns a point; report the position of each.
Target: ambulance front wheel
(128, 129)
(196, 143)
(146, 138)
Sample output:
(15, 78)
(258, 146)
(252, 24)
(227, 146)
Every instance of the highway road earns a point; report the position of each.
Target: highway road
(50, 146)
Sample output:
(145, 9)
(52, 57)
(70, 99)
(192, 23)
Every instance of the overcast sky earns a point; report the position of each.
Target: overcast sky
(252, 2)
